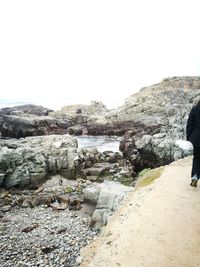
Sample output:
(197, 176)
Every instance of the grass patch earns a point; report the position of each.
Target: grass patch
(124, 180)
(148, 176)
(143, 172)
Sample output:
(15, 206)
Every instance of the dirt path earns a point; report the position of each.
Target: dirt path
(158, 226)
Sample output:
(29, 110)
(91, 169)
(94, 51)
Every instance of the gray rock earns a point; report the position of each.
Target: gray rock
(163, 110)
(110, 196)
(17, 126)
(91, 193)
(35, 158)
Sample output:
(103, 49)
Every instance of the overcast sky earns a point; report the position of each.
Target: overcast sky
(105, 50)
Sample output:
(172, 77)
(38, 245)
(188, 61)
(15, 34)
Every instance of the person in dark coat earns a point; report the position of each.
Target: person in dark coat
(193, 135)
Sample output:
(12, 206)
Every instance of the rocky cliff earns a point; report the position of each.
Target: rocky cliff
(163, 110)
(150, 121)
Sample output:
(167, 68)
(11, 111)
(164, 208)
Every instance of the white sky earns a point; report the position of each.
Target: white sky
(87, 49)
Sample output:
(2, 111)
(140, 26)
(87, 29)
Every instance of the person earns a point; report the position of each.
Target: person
(193, 135)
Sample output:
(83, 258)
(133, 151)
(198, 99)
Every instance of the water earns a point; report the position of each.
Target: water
(102, 143)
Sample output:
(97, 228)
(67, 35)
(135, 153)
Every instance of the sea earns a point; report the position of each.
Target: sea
(102, 143)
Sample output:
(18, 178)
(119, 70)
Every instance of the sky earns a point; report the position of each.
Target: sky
(69, 52)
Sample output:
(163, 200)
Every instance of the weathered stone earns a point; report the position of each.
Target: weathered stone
(110, 196)
(91, 193)
(34, 158)
(163, 110)
(152, 120)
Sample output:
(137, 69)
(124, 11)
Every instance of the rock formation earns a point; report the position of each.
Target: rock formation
(150, 121)
(107, 197)
(29, 120)
(163, 110)
(18, 126)
(29, 161)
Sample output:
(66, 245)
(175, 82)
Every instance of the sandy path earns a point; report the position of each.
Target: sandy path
(158, 226)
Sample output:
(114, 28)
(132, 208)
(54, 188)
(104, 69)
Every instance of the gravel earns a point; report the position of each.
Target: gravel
(43, 237)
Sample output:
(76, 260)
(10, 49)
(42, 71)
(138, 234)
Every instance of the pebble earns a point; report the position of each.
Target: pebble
(43, 246)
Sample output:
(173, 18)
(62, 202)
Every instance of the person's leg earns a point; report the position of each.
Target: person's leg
(195, 166)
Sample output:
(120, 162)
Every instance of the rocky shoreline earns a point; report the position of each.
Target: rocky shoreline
(42, 236)
(55, 195)
(156, 113)
(48, 226)
(55, 198)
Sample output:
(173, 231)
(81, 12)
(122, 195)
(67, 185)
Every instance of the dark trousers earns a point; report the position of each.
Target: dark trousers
(196, 161)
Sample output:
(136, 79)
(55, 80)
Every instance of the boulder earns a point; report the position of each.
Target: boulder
(110, 197)
(31, 160)
(150, 151)
(91, 193)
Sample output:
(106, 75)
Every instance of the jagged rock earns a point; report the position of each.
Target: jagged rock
(150, 151)
(108, 197)
(34, 158)
(162, 149)
(158, 112)
(163, 109)
(159, 108)
(94, 119)
(17, 127)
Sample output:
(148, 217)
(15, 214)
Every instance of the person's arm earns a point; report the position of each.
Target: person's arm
(190, 123)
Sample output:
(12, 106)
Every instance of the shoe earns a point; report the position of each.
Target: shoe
(194, 181)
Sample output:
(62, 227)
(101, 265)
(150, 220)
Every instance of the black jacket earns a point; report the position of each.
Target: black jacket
(193, 126)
